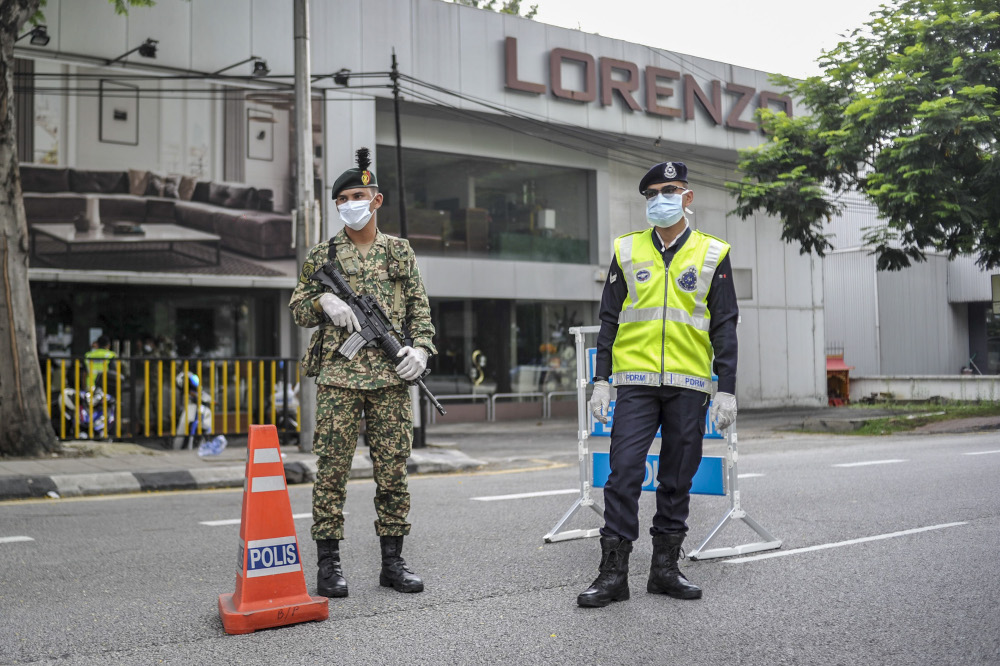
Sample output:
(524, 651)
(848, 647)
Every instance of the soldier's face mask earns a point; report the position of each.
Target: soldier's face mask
(665, 210)
(355, 214)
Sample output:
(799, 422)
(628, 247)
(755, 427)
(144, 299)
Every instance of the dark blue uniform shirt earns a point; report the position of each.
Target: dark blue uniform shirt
(721, 304)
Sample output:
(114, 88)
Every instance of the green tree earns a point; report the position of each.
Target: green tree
(501, 6)
(25, 429)
(906, 112)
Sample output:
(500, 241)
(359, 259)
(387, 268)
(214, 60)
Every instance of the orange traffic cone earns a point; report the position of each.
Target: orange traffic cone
(270, 585)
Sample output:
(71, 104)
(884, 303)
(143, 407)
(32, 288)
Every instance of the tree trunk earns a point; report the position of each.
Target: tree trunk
(25, 428)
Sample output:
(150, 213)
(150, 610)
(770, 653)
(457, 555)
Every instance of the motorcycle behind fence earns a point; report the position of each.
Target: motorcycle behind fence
(194, 422)
(95, 411)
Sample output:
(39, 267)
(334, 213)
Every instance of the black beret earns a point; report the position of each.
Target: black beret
(360, 176)
(664, 173)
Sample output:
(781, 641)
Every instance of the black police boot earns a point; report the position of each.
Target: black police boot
(395, 573)
(330, 580)
(665, 576)
(612, 581)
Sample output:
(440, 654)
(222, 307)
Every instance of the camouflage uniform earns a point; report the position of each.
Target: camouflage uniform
(367, 383)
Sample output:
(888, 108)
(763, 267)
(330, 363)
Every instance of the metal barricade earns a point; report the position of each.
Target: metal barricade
(493, 401)
(547, 409)
(465, 396)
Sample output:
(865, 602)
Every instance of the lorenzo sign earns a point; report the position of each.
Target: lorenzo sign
(626, 80)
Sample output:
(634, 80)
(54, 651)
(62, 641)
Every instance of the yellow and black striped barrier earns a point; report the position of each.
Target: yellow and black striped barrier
(151, 398)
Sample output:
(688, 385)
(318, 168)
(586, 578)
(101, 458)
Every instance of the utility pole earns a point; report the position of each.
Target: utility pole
(305, 200)
(400, 190)
(417, 398)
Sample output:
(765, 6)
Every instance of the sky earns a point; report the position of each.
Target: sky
(782, 36)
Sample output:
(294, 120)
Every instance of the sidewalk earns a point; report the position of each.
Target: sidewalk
(99, 468)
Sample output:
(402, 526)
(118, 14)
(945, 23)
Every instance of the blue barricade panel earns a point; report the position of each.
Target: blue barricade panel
(709, 480)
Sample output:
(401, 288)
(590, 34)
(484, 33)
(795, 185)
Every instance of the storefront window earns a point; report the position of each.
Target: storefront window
(461, 205)
(149, 321)
(493, 345)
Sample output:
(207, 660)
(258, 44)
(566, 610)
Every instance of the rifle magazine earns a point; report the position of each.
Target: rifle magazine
(352, 344)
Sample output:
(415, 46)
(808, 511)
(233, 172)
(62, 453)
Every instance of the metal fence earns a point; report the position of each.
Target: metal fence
(165, 398)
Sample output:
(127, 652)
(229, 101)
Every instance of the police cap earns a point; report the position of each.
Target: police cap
(664, 173)
(360, 176)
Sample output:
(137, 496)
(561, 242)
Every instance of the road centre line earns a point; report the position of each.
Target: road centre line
(14, 539)
(541, 493)
(236, 521)
(850, 542)
(870, 462)
(980, 453)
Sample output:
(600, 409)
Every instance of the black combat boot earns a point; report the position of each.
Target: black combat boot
(395, 573)
(665, 576)
(330, 579)
(612, 581)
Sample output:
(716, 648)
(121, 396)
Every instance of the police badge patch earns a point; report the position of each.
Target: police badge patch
(642, 276)
(688, 280)
(670, 171)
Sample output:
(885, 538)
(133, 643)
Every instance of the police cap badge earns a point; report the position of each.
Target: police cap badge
(665, 172)
(358, 177)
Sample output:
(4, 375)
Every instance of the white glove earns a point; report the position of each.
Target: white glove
(413, 364)
(339, 312)
(600, 401)
(723, 411)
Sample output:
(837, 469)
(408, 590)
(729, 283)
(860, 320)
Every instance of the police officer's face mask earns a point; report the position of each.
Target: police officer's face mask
(665, 210)
(355, 214)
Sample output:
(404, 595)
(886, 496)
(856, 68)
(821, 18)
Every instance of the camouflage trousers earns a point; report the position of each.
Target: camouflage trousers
(388, 416)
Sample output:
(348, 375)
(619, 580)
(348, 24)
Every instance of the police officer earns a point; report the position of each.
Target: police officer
(370, 383)
(668, 304)
(98, 359)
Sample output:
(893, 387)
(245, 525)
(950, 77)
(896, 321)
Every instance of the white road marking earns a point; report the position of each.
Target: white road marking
(542, 493)
(838, 544)
(748, 476)
(14, 539)
(980, 453)
(870, 462)
(236, 521)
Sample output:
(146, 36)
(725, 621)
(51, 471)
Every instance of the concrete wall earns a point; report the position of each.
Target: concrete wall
(922, 387)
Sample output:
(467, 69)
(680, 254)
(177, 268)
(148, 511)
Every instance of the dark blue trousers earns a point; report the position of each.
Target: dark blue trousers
(639, 411)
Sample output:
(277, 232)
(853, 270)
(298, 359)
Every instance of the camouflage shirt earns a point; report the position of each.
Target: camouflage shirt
(389, 261)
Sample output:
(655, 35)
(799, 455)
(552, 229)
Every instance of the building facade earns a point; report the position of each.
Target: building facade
(522, 146)
(933, 318)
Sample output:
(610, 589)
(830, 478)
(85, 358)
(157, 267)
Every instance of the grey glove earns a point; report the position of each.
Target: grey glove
(723, 411)
(339, 312)
(600, 401)
(413, 364)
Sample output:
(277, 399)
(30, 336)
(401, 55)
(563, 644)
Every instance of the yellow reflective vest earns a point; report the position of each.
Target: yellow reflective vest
(663, 327)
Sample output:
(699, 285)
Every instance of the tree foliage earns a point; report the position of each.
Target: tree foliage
(907, 112)
(502, 6)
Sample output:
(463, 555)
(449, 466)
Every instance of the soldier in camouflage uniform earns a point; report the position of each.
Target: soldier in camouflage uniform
(369, 384)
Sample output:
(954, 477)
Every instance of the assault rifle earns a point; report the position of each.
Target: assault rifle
(375, 324)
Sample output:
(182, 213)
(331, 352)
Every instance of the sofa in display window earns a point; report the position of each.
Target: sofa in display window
(236, 212)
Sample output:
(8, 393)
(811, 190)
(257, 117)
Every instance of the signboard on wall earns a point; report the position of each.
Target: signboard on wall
(654, 90)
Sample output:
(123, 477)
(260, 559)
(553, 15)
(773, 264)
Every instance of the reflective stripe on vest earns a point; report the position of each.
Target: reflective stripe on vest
(663, 326)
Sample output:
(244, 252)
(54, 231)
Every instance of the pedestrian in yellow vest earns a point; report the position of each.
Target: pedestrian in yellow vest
(668, 315)
(98, 359)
